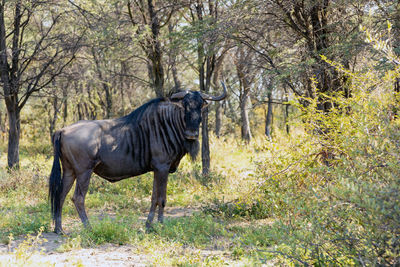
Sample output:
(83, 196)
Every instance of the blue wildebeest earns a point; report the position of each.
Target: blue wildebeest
(153, 137)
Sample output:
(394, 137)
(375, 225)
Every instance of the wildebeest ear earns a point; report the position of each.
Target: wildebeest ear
(205, 104)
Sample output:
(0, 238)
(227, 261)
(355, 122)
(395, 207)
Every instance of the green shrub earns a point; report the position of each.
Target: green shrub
(197, 230)
(336, 195)
(256, 209)
(106, 230)
(24, 221)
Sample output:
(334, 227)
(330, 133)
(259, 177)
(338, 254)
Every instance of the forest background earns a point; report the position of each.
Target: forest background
(299, 165)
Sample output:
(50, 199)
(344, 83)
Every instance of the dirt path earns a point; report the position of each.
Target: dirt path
(105, 255)
(46, 252)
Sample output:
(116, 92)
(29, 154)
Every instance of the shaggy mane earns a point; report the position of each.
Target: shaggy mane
(135, 116)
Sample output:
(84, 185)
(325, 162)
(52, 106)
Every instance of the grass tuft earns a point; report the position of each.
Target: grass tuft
(106, 230)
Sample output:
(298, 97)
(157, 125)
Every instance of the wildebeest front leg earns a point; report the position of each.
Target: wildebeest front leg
(81, 188)
(158, 197)
(162, 197)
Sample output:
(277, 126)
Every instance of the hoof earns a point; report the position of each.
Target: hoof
(149, 228)
(59, 231)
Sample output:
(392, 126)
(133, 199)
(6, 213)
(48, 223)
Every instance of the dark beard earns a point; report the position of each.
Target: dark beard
(192, 147)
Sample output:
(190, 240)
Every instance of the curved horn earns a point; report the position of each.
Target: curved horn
(215, 98)
(179, 95)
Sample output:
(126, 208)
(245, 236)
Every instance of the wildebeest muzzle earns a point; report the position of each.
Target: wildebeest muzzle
(191, 134)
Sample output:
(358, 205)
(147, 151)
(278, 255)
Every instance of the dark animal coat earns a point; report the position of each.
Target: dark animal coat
(154, 137)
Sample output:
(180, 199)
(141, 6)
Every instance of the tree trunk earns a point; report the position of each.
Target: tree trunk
(287, 106)
(122, 86)
(206, 61)
(172, 58)
(244, 115)
(105, 85)
(8, 79)
(3, 120)
(65, 103)
(90, 107)
(205, 148)
(14, 130)
(268, 118)
(243, 103)
(108, 100)
(245, 73)
(78, 90)
(218, 119)
(218, 109)
(286, 111)
(155, 54)
(205, 145)
(4, 127)
(53, 117)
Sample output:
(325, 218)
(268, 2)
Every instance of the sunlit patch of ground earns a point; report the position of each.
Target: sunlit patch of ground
(57, 250)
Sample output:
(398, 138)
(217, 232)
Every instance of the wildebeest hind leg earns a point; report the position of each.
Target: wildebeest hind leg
(67, 181)
(81, 188)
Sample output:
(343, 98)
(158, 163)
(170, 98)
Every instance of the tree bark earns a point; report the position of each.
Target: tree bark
(122, 86)
(10, 82)
(244, 115)
(205, 144)
(155, 54)
(105, 85)
(4, 120)
(218, 119)
(65, 103)
(287, 106)
(268, 118)
(286, 111)
(14, 130)
(53, 117)
(206, 67)
(218, 109)
(244, 102)
(78, 90)
(151, 45)
(172, 59)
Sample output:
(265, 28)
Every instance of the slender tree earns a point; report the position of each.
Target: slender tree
(152, 15)
(204, 18)
(268, 117)
(246, 74)
(32, 55)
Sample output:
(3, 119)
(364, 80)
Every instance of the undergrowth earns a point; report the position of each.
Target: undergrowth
(327, 195)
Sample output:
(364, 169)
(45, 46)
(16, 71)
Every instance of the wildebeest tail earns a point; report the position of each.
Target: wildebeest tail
(55, 181)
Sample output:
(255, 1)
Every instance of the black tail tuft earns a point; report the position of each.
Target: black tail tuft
(55, 181)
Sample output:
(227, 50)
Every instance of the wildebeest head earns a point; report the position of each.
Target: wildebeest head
(193, 102)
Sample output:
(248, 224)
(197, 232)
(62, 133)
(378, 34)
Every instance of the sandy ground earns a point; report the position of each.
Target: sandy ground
(46, 253)
(105, 255)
